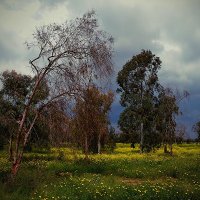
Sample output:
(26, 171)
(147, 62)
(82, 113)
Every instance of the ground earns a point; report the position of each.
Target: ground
(63, 173)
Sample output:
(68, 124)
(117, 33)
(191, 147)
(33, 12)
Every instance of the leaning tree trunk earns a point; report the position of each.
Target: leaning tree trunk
(15, 165)
(10, 147)
(19, 133)
(17, 157)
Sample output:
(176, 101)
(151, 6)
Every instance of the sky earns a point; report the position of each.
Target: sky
(170, 29)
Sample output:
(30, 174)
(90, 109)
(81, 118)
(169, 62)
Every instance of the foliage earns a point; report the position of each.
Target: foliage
(90, 122)
(15, 87)
(15, 90)
(167, 111)
(122, 174)
(139, 88)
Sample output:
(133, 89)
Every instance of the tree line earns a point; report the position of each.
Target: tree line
(150, 109)
(66, 101)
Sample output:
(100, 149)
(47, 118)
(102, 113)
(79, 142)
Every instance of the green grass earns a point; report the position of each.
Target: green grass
(123, 174)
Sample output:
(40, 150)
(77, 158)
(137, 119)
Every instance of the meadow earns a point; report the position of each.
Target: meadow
(63, 173)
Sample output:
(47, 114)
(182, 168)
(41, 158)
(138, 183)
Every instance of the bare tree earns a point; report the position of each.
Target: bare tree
(67, 53)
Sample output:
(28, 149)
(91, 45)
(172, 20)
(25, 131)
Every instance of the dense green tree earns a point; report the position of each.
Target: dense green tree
(129, 125)
(139, 88)
(15, 90)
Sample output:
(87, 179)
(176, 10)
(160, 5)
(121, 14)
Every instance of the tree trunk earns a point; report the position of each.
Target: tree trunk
(86, 147)
(165, 148)
(141, 138)
(99, 144)
(15, 166)
(24, 116)
(21, 126)
(10, 148)
(141, 124)
(171, 151)
(18, 155)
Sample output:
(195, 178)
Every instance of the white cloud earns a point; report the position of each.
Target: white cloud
(18, 22)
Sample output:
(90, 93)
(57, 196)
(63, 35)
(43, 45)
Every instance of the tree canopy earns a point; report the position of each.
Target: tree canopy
(90, 122)
(139, 88)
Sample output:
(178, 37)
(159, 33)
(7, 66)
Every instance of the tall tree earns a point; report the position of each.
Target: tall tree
(91, 119)
(66, 53)
(139, 87)
(168, 109)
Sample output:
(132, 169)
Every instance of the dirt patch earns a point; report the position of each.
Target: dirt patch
(131, 181)
(64, 174)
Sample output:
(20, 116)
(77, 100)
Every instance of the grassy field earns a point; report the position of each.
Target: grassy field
(123, 174)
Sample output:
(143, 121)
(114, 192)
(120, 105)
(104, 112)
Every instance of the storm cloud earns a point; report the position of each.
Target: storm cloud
(170, 29)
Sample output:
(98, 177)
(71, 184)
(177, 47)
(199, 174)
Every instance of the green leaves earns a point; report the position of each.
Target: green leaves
(15, 86)
(14, 95)
(139, 88)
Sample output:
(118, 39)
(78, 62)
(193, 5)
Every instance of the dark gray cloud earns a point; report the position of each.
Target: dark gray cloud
(170, 29)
